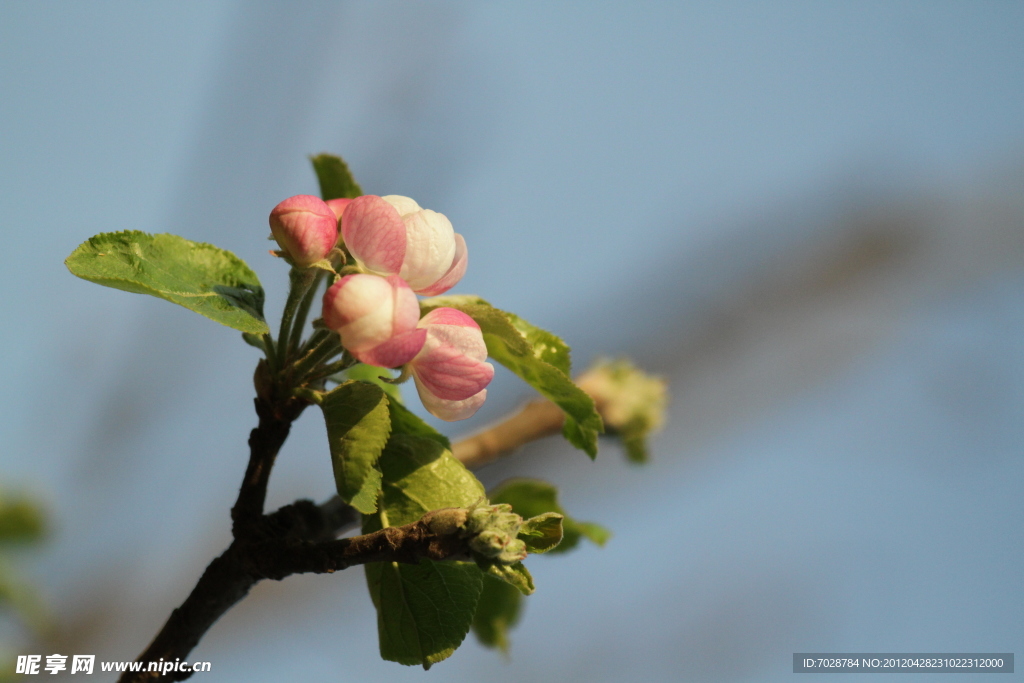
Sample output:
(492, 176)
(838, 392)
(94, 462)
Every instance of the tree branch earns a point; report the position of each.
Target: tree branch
(624, 396)
(533, 421)
(301, 537)
(229, 577)
(265, 441)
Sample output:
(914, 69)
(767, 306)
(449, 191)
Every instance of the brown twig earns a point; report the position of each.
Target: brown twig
(265, 442)
(282, 553)
(533, 421)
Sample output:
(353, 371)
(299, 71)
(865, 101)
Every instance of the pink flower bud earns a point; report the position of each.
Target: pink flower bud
(376, 318)
(393, 236)
(305, 227)
(450, 370)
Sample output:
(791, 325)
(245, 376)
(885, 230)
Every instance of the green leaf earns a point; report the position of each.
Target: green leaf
(498, 611)
(531, 498)
(516, 575)
(580, 437)
(424, 611)
(358, 425)
(404, 421)
(595, 533)
(636, 447)
(542, 533)
(21, 521)
(538, 357)
(546, 346)
(202, 278)
(375, 375)
(254, 340)
(420, 475)
(336, 181)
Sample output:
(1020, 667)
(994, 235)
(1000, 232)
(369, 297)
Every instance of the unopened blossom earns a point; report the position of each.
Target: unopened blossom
(450, 370)
(305, 228)
(393, 235)
(376, 318)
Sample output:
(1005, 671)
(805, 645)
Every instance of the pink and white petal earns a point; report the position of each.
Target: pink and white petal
(450, 374)
(465, 340)
(404, 205)
(353, 297)
(396, 351)
(374, 234)
(405, 306)
(361, 309)
(430, 248)
(454, 274)
(450, 411)
(448, 316)
(338, 206)
(367, 332)
(349, 298)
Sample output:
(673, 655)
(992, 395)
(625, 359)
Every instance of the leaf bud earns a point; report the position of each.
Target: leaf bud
(489, 543)
(515, 551)
(493, 533)
(631, 402)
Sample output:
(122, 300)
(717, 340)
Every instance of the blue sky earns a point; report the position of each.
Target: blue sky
(623, 175)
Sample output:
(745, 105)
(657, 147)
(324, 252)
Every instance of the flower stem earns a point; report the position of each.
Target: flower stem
(268, 350)
(319, 353)
(314, 340)
(345, 363)
(303, 311)
(301, 279)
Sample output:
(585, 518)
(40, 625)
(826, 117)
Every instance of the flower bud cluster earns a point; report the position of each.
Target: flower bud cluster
(400, 250)
(631, 403)
(494, 533)
(627, 397)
